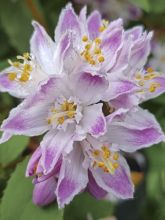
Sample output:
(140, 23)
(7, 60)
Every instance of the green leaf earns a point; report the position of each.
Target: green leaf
(10, 150)
(17, 200)
(3, 64)
(155, 156)
(144, 4)
(157, 6)
(16, 21)
(84, 205)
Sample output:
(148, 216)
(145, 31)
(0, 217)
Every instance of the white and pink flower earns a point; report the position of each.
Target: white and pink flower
(86, 103)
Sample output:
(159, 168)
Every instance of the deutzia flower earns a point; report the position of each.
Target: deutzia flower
(29, 70)
(88, 108)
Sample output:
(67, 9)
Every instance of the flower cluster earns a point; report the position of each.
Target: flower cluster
(111, 9)
(83, 90)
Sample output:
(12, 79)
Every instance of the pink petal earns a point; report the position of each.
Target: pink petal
(89, 88)
(119, 184)
(30, 117)
(73, 177)
(94, 189)
(68, 21)
(54, 144)
(44, 192)
(93, 120)
(94, 22)
(137, 129)
(42, 47)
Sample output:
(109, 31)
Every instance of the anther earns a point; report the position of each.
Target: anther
(101, 59)
(61, 120)
(150, 70)
(85, 38)
(98, 40)
(12, 76)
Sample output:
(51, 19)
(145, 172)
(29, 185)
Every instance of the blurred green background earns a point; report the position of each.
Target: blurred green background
(148, 167)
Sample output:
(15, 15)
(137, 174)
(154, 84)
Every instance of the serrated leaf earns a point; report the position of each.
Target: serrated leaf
(17, 200)
(11, 149)
(84, 205)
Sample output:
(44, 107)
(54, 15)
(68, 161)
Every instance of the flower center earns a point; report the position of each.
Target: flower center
(22, 69)
(62, 112)
(105, 159)
(149, 75)
(92, 52)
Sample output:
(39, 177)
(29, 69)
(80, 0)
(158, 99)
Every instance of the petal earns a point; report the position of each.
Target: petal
(94, 22)
(93, 120)
(88, 88)
(111, 45)
(30, 170)
(73, 177)
(94, 189)
(42, 47)
(123, 56)
(135, 130)
(5, 137)
(61, 52)
(127, 100)
(16, 88)
(44, 192)
(118, 88)
(68, 21)
(30, 117)
(119, 183)
(134, 32)
(54, 144)
(160, 80)
(140, 52)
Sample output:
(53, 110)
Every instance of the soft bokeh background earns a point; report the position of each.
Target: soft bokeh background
(148, 166)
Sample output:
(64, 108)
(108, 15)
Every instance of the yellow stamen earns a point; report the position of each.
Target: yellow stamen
(115, 156)
(70, 114)
(141, 83)
(150, 70)
(100, 164)
(92, 62)
(49, 121)
(88, 46)
(85, 38)
(115, 165)
(27, 67)
(12, 76)
(98, 40)
(147, 77)
(97, 51)
(24, 77)
(96, 153)
(153, 87)
(138, 76)
(101, 28)
(101, 59)
(61, 120)
(26, 55)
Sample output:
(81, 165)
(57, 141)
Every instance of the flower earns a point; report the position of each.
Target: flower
(88, 108)
(113, 9)
(31, 69)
